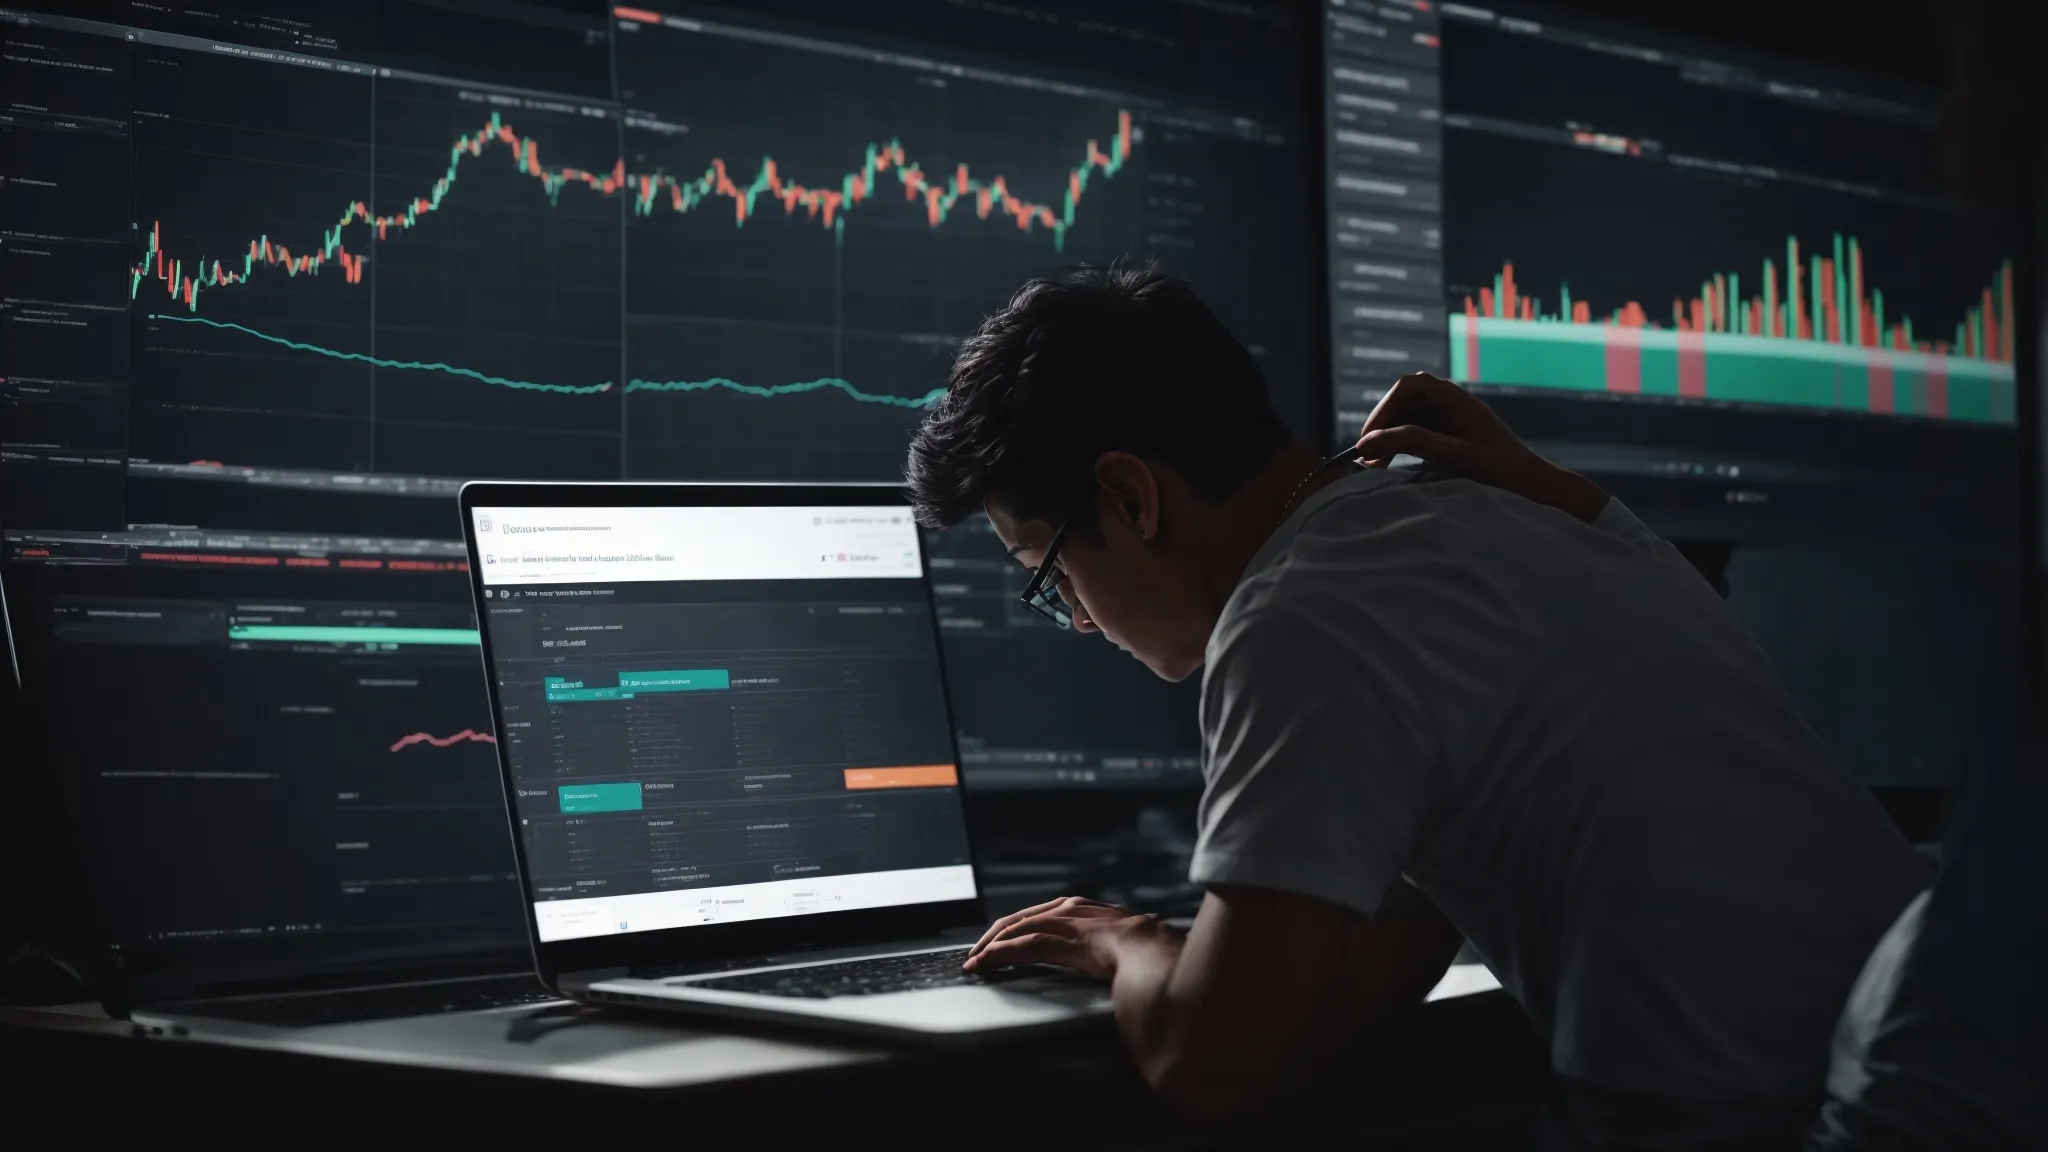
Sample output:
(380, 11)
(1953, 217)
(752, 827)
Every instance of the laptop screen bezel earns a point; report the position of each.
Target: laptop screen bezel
(708, 944)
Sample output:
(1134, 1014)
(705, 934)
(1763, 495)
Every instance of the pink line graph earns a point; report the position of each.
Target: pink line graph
(432, 740)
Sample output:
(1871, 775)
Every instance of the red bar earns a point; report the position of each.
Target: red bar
(1992, 346)
(1692, 364)
(1624, 359)
(1827, 299)
(2005, 313)
(1528, 311)
(1699, 316)
(1582, 312)
(1472, 338)
(640, 15)
(1486, 301)
(1883, 391)
(1507, 291)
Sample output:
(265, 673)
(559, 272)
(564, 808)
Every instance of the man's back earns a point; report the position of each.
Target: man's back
(1562, 736)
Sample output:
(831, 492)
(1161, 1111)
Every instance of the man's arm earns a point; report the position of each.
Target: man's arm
(1243, 1012)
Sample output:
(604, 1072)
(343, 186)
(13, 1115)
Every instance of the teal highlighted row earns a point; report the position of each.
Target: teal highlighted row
(600, 797)
(562, 690)
(314, 634)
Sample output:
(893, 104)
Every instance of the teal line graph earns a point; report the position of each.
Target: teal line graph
(381, 362)
(769, 391)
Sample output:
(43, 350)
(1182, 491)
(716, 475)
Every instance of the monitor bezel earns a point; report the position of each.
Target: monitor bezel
(712, 944)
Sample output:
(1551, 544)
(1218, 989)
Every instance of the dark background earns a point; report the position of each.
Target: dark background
(1977, 55)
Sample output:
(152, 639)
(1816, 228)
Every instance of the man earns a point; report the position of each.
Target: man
(1492, 706)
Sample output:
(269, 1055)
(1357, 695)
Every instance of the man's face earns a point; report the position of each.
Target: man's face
(1123, 585)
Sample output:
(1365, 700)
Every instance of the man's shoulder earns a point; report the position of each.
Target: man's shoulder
(1347, 568)
(1372, 538)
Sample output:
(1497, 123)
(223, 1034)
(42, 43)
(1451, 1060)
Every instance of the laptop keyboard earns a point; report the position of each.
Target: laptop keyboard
(869, 977)
(304, 1011)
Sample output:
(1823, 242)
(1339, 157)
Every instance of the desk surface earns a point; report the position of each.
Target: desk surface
(517, 1067)
(595, 1046)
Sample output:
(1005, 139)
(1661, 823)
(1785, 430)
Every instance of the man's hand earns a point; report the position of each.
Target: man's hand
(1085, 935)
(1453, 430)
(1247, 1009)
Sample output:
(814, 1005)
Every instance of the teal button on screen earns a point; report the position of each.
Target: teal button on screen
(600, 797)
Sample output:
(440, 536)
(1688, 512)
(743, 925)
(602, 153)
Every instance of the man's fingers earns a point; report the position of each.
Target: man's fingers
(1032, 948)
(1058, 922)
(1414, 399)
(1447, 452)
(1006, 922)
(1013, 919)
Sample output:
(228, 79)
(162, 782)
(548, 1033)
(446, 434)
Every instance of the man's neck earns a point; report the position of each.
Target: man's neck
(1250, 517)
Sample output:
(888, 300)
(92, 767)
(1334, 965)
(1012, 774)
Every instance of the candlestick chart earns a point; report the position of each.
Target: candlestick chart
(1675, 284)
(458, 311)
(828, 206)
(859, 219)
(1813, 333)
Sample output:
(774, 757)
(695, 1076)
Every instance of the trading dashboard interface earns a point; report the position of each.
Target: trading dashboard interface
(1730, 287)
(280, 275)
(716, 714)
(1732, 291)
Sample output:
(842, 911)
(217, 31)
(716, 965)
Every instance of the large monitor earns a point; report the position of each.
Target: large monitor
(280, 278)
(1730, 289)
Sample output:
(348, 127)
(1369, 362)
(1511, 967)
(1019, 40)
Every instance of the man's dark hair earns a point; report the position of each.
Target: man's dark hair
(1125, 358)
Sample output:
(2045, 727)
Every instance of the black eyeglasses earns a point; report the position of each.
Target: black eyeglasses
(1042, 593)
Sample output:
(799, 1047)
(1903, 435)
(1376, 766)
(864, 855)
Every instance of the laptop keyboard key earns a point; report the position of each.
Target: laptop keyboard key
(867, 977)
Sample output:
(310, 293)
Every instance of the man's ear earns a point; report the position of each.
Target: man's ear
(1129, 491)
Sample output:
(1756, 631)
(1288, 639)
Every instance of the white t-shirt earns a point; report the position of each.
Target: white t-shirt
(1561, 735)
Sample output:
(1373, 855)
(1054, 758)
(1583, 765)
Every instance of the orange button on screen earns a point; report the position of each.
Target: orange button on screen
(917, 776)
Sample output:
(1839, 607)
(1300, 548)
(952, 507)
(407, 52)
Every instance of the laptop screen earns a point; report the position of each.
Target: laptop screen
(718, 714)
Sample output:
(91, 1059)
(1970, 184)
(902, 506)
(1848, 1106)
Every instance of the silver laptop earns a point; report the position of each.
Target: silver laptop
(729, 759)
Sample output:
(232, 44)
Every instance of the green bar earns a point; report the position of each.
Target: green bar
(1580, 366)
(365, 635)
(1660, 371)
(562, 690)
(1769, 312)
(1735, 304)
(1813, 303)
(1977, 330)
(1908, 322)
(599, 797)
(1855, 319)
(693, 680)
(1564, 302)
(1498, 303)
